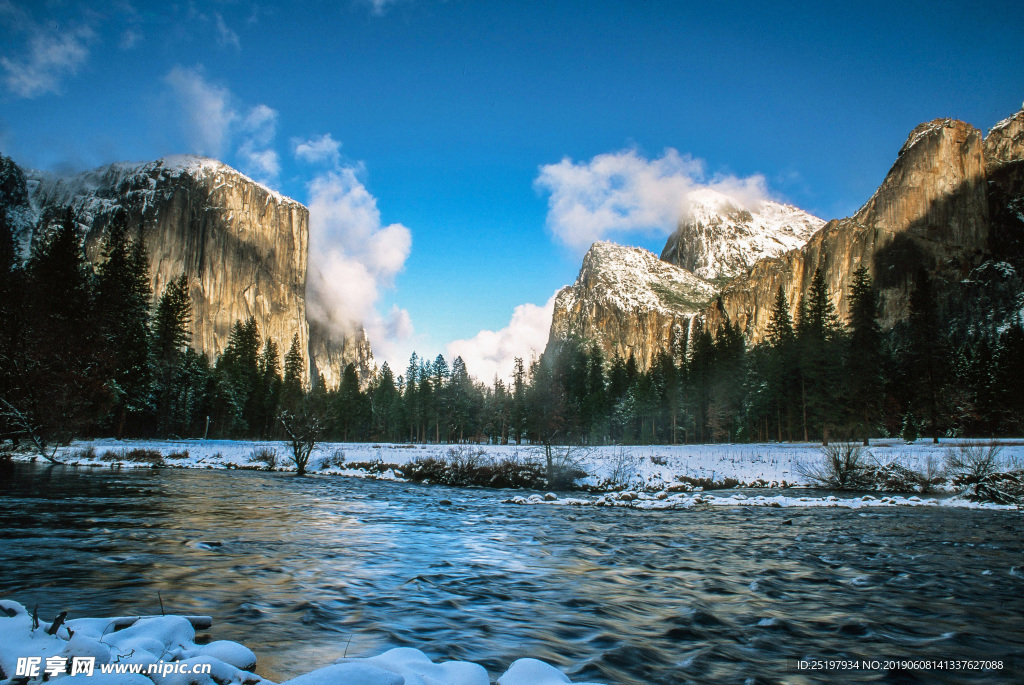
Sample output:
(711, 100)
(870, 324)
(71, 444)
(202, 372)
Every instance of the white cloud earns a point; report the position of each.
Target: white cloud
(493, 353)
(225, 36)
(322, 150)
(393, 338)
(205, 109)
(352, 257)
(259, 127)
(210, 119)
(623, 192)
(50, 58)
(129, 39)
(380, 6)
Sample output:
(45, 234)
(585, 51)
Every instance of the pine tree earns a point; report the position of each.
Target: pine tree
(821, 358)
(122, 301)
(170, 363)
(12, 316)
(411, 398)
(349, 403)
(927, 350)
(239, 370)
(291, 388)
(62, 384)
(270, 385)
(461, 395)
(173, 317)
(864, 356)
(1010, 377)
(783, 373)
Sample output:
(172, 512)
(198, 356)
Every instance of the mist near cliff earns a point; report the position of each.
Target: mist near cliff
(352, 258)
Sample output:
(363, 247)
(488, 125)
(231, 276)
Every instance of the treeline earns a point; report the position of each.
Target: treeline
(88, 352)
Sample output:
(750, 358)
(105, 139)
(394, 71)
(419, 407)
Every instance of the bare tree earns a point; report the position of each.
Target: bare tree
(24, 424)
(303, 426)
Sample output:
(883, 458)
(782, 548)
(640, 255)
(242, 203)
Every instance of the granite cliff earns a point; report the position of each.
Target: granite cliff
(629, 302)
(243, 246)
(933, 211)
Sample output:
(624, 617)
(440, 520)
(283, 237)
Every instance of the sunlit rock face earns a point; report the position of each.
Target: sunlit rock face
(242, 246)
(931, 211)
(628, 301)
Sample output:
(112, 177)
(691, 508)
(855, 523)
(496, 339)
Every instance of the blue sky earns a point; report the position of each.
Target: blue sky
(444, 113)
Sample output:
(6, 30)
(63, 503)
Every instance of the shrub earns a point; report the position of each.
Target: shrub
(138, 456)
(840, 468)
(83, 454)
(622, 467)
(177, 455)
(264, 456)
(971, 462)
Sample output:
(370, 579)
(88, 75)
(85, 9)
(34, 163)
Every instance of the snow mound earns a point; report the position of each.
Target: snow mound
(161, 650)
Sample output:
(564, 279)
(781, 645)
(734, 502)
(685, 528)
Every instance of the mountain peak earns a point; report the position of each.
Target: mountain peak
(719, 237)
(628, 301)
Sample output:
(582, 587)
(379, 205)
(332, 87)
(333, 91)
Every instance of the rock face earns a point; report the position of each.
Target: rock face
(332, 353)
(242, 246)
(717, 239)
(629, 302)
(931, 211)
(1005, 141)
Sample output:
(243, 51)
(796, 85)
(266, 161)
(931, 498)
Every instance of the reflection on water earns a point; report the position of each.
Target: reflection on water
(306, 570)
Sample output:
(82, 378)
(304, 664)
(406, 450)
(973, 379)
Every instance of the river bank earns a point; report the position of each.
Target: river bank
(648, 469)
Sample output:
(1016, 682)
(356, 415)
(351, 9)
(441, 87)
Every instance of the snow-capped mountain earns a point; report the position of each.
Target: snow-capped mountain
(720, 239)
(629, 302)
(953, 199)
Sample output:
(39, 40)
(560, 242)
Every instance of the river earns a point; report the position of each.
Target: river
(306, 570)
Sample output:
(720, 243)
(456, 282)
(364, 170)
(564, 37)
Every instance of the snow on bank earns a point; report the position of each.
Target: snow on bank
(648, 468)
(680, 500)
(77, 652)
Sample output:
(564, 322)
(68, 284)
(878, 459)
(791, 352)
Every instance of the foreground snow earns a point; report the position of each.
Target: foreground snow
(648, 468)
(166, 645)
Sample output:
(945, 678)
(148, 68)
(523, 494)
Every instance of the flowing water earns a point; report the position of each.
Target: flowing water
(306, 570)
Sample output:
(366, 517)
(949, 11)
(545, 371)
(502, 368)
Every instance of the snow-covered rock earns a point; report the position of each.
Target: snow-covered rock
(161, 650)
(719, 239)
